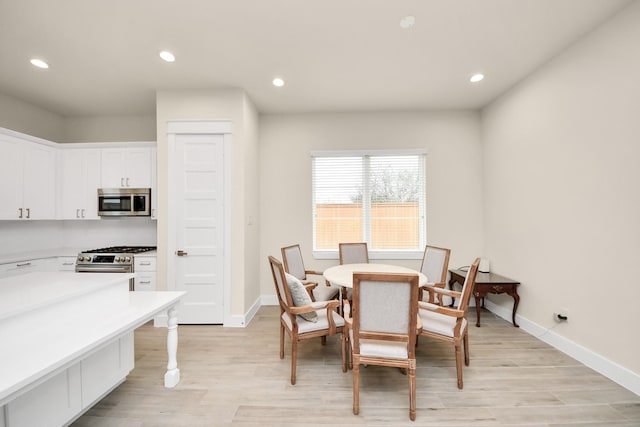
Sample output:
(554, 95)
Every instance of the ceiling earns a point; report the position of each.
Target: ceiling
(334, 55)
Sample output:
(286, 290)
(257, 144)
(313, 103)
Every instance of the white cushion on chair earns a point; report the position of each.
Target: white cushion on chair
(325, 293)
(322, 323)
(379, 348)
(439, 323)
(299, 295)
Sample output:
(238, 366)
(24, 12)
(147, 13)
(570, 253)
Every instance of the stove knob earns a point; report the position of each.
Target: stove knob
(118, 259)
(127, 259)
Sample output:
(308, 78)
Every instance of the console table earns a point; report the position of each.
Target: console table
(488, 283)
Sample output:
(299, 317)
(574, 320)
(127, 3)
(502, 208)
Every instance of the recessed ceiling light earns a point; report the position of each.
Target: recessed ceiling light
(39, 63)
(278, 82)
(407, 22)
(476, 78)
(167, 56)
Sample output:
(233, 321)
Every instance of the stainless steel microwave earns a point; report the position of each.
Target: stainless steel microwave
(124, 201)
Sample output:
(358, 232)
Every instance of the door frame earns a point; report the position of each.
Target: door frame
(201, 127)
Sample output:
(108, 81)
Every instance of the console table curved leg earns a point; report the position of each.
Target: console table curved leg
(516, 301)
(172, 376)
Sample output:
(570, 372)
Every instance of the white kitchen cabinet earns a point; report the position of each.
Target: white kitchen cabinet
(65, 263)
(145, 269)
(80, 179)
(27, 179)
(126, 167)
(23, 267)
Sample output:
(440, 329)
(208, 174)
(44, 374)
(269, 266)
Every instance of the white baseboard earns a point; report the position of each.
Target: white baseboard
(615, 372)
(241, 321)
(269, 300)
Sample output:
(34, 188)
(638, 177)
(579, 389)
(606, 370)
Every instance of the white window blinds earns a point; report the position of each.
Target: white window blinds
(372, 197)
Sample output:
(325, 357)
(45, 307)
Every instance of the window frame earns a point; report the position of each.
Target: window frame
(373, 254)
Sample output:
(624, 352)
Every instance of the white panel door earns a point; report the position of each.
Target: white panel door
(199, 208)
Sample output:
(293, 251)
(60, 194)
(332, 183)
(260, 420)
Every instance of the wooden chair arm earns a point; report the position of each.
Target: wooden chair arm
(314, 272)
(331, 305)
(437, 290)
(310, 286)
(442, 310)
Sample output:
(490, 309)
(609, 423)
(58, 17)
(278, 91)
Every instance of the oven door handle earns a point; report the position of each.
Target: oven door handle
(104, 270)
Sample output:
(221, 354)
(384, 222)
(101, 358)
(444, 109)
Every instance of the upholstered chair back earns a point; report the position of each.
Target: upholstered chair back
(293, 263)
(353, 253)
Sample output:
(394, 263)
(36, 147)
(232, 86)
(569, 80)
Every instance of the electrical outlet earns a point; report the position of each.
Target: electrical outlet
(561, 315)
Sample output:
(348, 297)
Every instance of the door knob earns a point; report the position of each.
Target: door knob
(181, 253)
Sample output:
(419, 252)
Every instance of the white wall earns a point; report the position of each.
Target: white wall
(21, 116)
(562, 202)
(110, 128)
(454, 176)
(27, 236)
(30, 119)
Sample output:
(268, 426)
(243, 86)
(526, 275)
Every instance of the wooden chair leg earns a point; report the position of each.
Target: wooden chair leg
(294, 357)
(459, 364)
(323, 340)
(466, 349)
(412, 389)
(281, 341)
(356, 385)
(344, 352)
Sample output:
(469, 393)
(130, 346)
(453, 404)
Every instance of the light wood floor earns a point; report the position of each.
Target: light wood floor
(234, 377)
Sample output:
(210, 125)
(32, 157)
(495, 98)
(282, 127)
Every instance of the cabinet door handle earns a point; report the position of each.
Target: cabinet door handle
(145, 263)
(121, 182)
(181, 253)
(146, 282)
(28, 213)
(127, 182)
(20, 213)
(24, 264)
(77, 213)
(82, 210)
(68, 263)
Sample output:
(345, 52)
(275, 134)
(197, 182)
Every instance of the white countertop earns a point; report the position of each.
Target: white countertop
(47, 253)
(31, 291)
(51, 253)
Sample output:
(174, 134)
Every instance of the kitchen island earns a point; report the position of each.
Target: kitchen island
(67, 341)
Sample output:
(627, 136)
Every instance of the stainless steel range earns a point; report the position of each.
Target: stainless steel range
(114, 259)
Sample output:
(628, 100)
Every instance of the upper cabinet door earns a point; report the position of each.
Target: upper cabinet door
(27, 179)
(139, 167)
(126, 167)
(10, 179)
(39, 182)
(80, 180)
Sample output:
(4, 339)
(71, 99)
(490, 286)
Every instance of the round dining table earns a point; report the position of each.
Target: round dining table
(342, 275)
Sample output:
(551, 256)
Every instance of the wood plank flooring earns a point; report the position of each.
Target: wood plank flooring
(234, 377)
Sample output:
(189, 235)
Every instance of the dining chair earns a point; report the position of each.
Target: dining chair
(382, 325)
(449, 324)
(435, 264)
(294, 265)
(302, 318)
(353, 253)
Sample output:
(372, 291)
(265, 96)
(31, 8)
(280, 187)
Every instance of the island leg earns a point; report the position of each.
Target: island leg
(172, 376)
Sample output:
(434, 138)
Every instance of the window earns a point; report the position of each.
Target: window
(375, 197)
